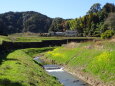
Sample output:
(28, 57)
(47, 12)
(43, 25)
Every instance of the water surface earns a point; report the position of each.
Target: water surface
(63, 77)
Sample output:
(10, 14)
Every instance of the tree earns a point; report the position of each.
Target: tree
(72, 24)
(108, 7)
(110, 21)
(107, 34)
(57, 25)
(1, 27)
(95, 8)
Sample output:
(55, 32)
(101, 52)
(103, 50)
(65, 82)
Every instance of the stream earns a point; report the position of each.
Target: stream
(63, 77)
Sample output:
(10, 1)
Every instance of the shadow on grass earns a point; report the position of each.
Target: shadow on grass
(6, 82)
(3, 55)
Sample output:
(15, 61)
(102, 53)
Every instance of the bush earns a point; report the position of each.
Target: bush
(107, 34)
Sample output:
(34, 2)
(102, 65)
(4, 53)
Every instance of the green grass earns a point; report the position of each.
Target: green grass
(97, 58)
(19, 69)
(39, 39)
(14, 38)
(103, 65)
(33, 39)
(35, 51)
(5, 38)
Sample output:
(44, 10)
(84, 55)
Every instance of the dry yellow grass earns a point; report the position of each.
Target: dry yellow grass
(72, 45)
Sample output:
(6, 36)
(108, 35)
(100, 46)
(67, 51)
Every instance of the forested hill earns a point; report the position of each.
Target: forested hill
(98, 21)
(18, 22)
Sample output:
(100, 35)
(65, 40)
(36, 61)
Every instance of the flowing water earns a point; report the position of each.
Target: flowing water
(64, 77)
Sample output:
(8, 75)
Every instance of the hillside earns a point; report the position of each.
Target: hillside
(20, 22)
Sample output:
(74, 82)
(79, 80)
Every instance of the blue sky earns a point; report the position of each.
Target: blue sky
(51, 8)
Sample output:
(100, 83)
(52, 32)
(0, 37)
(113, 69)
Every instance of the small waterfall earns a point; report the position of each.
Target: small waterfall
(53, 68)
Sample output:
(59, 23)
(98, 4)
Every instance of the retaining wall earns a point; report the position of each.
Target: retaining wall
(46, 43)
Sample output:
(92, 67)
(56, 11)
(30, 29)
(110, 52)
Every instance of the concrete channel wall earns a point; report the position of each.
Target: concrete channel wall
(45, 43)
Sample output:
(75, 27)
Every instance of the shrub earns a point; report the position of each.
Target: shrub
(107, 34)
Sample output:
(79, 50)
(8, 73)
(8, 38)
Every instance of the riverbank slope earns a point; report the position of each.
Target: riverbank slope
(94, 62)
(19, 69)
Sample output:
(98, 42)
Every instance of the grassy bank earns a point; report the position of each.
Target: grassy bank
(4, 38)
(37, 39)
(94, 58)
(19, 69)
(36, 51)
